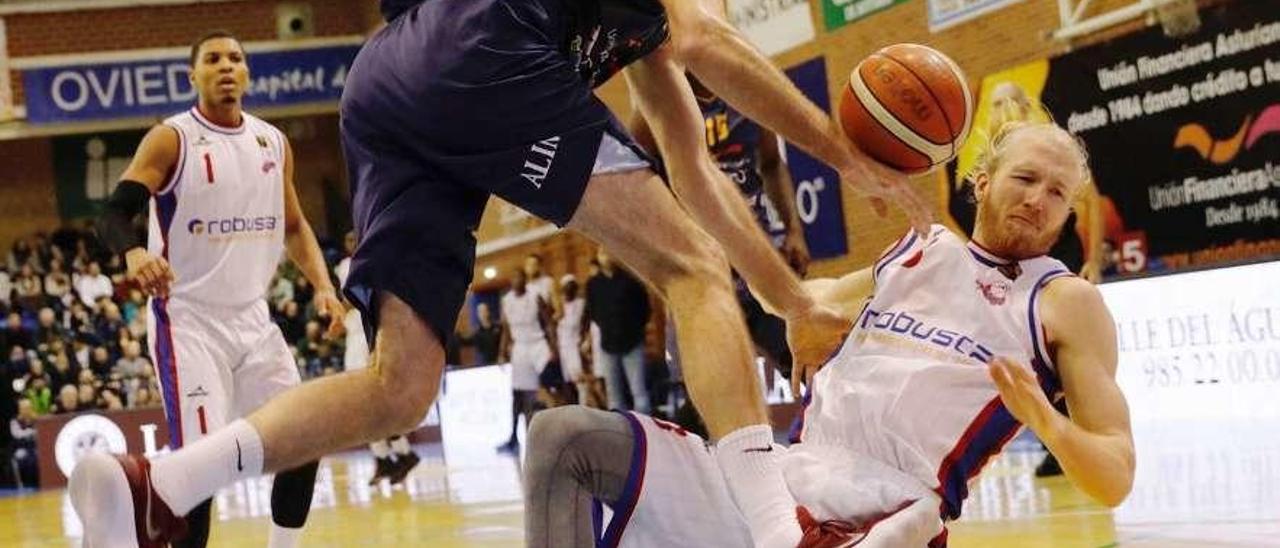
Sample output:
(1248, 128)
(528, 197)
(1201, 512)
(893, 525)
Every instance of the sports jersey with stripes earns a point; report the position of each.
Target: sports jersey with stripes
(910, 386)
(219, 218)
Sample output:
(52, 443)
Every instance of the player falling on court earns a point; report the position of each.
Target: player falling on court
(452, 102)
(955, 347)
(219, 185)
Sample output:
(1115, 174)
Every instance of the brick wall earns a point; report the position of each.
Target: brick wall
(27, 201)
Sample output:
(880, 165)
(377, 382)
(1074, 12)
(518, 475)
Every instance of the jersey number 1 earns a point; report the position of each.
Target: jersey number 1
(208, 167)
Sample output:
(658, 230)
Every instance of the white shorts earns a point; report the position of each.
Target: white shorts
(570, 359)
(528, 359)
(215, 364)
(676, 495)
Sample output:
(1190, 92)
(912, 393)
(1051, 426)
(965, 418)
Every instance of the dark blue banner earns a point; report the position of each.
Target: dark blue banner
(160, 87)
(817, 185)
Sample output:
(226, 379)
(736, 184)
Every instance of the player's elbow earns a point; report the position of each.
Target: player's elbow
(1116, 488)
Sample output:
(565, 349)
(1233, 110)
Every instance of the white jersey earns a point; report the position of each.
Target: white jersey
(542, 286)
(569, 329)
(910, 386)
(521, 313)
(219, 219)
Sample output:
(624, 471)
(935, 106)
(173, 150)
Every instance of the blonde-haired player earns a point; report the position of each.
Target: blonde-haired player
(956, 345)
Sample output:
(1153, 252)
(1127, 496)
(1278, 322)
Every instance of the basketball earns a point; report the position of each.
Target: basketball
(907, 106)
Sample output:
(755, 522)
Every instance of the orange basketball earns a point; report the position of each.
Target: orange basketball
(907, 106)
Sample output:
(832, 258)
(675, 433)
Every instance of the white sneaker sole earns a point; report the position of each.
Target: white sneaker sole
(100, 495)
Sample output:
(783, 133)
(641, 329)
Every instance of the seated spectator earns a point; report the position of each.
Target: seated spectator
(110, 401)
(40, 396)
(93, 285)
(57, 283)
(100, 362)
(23, 430)
(14, 335)
(80, 351)
(110, 323)
(62, 371)
(86, 377)
(19, 362)
(141, 398)
(133, 306)
(48, 329)
(68, 400)
(132, 364)
(81, 322)
(20, 254)
(28, 289)
(88, 397)
(37, 372)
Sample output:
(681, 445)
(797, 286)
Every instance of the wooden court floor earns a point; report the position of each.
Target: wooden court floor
(477, 503)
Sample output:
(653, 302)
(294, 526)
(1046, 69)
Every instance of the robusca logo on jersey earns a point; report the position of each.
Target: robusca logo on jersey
(905, 325)
(232, 226)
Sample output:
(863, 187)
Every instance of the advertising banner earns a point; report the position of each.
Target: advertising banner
(1183, 136)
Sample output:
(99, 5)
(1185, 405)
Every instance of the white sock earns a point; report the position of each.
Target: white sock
(400, 445)
(283, 537)
(380, 449)
(194, 473)
(755, 481)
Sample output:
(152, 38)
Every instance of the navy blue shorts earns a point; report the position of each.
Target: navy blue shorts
(450, 103)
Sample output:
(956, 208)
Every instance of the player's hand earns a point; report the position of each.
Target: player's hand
(153, 273)
(880, 183)
(813, 337)
(796, 251)
(327, 305)
(825, 534)
(1021, 393)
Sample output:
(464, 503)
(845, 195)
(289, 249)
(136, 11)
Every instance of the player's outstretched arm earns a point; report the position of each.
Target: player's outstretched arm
(155, 159)
(732, 68)
(302, 248)
(659, 89)
(1095, 445)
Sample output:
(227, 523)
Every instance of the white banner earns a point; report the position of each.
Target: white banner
(774, 26)
(1200, 368)
(947, 13)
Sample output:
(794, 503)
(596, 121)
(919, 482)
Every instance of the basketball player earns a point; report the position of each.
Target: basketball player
(223, 206)
(393, 458)
(451, 102)
(570, 332)
(955, 347)
(527, 342)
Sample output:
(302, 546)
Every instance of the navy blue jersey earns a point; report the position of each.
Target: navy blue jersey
(734, 143)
